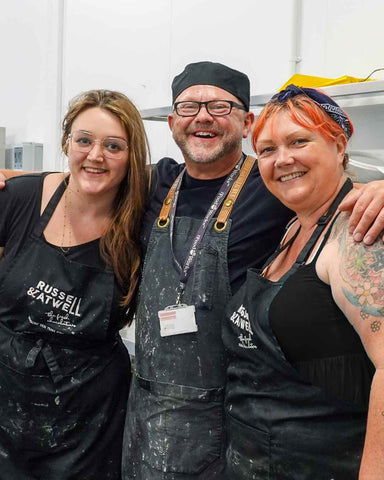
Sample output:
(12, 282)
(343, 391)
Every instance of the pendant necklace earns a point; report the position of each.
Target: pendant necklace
(67, 208)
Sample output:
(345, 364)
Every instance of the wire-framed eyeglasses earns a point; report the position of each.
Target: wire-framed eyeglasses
(84, 142)
(216, 108)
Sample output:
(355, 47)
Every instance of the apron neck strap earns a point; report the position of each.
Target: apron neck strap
(321, 224)
(227, 207)
(50, 208)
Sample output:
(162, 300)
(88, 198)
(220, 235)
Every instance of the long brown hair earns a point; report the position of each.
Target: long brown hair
(120, 244)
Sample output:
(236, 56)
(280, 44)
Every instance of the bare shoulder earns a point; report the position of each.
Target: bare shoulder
(357, 281)
(51, 182)
(329, 256)
(362, 273)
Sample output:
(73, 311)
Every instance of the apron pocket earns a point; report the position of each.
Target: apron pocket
(248, 452)
(183, 426)
(325, 450)
(204, 281)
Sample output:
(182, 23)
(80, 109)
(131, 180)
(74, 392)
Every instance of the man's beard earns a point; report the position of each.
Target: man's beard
(224, 148)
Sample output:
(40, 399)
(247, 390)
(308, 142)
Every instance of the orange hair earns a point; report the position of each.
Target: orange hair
(305, 112)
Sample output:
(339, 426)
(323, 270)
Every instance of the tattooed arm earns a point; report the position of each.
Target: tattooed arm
(357, 282)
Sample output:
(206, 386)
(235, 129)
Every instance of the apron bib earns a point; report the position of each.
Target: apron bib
(59, 373)
(177, 431)
(175, 415)
(280, 426)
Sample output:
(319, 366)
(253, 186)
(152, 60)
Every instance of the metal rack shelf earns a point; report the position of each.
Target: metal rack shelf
(348, 96)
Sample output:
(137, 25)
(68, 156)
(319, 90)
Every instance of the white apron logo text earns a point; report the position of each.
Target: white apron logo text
(240, 318)
(68, 305)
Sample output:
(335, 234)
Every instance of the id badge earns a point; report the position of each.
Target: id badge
(177, 319)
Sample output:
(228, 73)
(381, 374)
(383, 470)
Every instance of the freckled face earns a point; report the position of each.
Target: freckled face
(205, 138)
(92, 172)
(301, 167)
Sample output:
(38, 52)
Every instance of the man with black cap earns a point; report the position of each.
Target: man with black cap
(217, 220)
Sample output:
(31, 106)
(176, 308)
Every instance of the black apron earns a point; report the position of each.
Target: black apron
(175, 418)
(64, 377)
(175, 429)
(281, 427)
(175, 425)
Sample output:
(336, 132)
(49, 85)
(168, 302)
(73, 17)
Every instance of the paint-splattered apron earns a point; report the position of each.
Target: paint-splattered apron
(63, 382)
(175, 426)
(280, 426)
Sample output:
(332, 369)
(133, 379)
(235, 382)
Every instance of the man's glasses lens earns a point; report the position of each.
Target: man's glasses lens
(214, 107)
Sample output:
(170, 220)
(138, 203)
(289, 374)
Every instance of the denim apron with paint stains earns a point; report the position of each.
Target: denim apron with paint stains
(279, 425)
(176, 430)
(63, 382)
(175, 416)
(175, 425)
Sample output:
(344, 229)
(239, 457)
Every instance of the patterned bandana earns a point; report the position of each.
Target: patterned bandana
(325, 102)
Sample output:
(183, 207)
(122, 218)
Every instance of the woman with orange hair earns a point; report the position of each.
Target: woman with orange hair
(305, 393)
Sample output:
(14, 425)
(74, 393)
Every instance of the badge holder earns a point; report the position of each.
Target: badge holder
(177, 319)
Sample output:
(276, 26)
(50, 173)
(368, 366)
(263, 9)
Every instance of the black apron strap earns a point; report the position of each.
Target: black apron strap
(321, 224)
(50, 208)
(325, 239)
(282, 246)
(49, 358)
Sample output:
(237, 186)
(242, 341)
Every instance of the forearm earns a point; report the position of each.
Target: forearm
(11, 173)
(372, 463)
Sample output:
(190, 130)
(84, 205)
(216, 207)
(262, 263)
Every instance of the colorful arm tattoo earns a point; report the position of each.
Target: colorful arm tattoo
(362, 269)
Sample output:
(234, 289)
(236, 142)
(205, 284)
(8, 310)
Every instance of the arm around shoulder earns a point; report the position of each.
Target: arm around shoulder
(366, 204)
(5, 174)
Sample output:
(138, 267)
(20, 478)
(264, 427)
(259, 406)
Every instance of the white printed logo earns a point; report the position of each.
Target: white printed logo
(67, 305)
(240, 318)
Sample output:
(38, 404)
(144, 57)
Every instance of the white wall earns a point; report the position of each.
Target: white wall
(138, 46)
(342, 37)
(30, 72)
(53, 49)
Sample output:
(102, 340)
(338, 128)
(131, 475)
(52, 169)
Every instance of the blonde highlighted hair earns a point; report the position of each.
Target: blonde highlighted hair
(120, 244)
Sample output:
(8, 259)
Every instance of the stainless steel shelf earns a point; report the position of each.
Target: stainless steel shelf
(156, 114)
(348, 96)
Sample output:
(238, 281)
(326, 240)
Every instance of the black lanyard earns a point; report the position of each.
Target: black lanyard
(186, 269)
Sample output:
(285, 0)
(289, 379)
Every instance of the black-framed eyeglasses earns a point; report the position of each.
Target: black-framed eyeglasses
(216, 108)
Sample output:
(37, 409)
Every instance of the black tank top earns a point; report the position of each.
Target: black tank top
(318, 340)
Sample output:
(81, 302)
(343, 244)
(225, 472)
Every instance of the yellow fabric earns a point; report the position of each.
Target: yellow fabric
(311, 81)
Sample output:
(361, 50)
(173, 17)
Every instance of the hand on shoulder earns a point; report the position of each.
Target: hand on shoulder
(5, 174)
(366, 204)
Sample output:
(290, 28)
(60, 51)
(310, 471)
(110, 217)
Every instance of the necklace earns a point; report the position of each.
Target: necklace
(67, 208)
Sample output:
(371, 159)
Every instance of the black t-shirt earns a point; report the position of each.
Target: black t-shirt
(258, 218)
(20, 204)
(318, 339)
